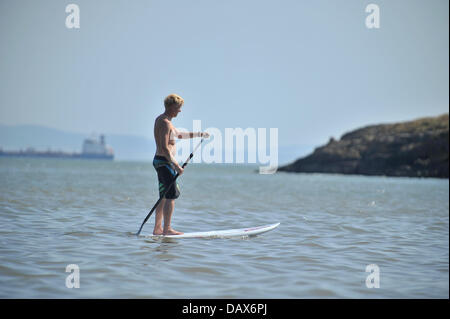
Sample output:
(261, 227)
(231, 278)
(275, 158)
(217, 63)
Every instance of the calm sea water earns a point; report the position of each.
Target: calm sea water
(59, 212)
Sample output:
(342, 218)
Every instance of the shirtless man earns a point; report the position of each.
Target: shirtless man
(165, 164)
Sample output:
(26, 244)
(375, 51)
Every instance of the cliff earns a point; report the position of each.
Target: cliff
(416, 148)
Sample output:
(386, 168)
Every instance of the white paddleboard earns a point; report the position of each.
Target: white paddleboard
(228, 233)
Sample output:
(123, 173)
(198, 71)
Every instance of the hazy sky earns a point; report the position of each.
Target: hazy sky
(312, 69)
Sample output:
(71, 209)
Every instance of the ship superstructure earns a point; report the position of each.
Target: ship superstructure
(92, 148)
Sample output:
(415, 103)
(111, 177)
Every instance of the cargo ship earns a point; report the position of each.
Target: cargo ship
(92, 149)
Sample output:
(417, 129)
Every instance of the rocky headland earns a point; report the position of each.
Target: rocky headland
(416, 148)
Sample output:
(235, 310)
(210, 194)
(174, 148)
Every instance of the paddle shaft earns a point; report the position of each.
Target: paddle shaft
(167, 189)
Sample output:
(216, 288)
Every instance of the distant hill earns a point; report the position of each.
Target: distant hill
(126, 147)
(42, 138)
(417, 148)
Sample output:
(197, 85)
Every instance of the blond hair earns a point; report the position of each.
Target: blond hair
(173, 99)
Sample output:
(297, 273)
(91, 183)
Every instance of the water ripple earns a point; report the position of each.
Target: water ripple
(55, 213)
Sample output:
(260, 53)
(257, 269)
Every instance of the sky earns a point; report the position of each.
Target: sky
(312, 69)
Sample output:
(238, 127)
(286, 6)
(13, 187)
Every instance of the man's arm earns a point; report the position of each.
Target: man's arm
(184, 135)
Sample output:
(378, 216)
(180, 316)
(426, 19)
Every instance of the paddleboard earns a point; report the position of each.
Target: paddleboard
(227, 233)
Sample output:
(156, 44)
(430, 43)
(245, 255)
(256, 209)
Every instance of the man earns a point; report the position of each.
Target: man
(165, 164)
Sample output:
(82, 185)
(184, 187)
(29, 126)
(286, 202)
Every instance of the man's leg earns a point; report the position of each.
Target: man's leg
(158, 230)
(168, 211)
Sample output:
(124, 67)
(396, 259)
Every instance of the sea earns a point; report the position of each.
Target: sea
(68, 230)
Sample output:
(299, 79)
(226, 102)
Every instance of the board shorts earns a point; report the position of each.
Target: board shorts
(166, 174)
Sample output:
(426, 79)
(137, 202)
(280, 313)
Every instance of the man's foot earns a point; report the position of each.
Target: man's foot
(172, 232)
(157, 231)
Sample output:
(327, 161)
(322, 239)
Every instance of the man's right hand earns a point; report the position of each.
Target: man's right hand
(179, 169)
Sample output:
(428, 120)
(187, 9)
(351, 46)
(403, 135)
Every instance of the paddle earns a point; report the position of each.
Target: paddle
(164, 194)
